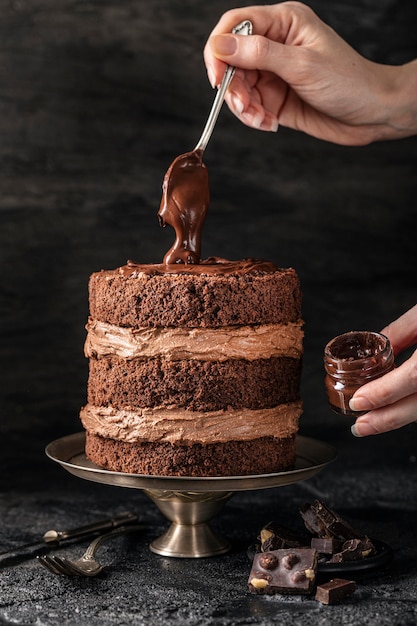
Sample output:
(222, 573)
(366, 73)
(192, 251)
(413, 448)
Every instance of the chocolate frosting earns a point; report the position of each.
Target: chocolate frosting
(184, 204)
(212, 266)
(208, 344)
(179, 426)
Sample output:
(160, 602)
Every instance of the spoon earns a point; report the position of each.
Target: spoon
(244, 28)
(185, 190)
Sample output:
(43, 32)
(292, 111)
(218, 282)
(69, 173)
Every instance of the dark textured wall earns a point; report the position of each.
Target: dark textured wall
(96, 99)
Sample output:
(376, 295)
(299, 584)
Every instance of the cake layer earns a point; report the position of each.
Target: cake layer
(208, 344)
(184, 427)
(136, 298)
(234, 458)
(197, 385)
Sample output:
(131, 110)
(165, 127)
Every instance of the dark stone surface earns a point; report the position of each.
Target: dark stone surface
(96, 100)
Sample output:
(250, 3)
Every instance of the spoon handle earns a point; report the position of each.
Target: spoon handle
(244, 28)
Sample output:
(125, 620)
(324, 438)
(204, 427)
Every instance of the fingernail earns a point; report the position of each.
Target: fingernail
(257, 120)
(352, 405)
(237, 104)
(364, 429)
(223, 44)
(211, 76)
(274, 126)
(359, 404)
(253, 119)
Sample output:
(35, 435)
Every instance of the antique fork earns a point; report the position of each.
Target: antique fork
(87, 565)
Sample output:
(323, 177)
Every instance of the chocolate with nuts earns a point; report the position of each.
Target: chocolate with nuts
(323, 522)
(287, 571)
(348, 543)
(273, 536)
(353, 550)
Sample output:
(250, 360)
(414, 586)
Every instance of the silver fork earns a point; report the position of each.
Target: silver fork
(86, 565)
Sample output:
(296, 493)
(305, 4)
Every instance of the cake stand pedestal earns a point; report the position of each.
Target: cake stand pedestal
(190, 534)
(190, 502)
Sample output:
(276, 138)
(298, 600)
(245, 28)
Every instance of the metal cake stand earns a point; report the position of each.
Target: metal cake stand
(190, 502)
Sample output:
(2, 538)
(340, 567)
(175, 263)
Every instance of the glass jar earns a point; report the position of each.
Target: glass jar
(350, 361)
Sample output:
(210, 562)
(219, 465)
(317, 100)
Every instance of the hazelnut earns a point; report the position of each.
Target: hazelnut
(310, 574)
(267, 560)
(259, 583)
(290, 560)
(266, 534)
(298, 576)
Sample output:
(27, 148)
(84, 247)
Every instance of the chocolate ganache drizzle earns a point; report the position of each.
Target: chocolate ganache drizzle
(184, 204)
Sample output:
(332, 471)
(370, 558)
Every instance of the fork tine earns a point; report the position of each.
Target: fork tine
(59, 565)
(67, 566)
(49, 564)
(73, 567)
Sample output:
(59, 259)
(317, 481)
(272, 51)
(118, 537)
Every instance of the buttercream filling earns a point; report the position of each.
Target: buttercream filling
(190, 427)
(215, 344)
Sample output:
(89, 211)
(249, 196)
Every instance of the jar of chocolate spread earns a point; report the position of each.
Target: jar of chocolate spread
(350, 361)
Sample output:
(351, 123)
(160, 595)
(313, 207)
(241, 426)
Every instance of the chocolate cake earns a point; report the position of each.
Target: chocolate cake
(194, 369)
(194, 365)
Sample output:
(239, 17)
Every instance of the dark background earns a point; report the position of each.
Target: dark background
(96, 99)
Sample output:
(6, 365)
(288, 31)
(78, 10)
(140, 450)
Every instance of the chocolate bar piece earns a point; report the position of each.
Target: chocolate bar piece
(323, 522)
(326, 545)
(334, 591)
(291, 570)
(273, 536)
(353, 550)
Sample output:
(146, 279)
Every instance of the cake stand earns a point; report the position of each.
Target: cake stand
(190, 502)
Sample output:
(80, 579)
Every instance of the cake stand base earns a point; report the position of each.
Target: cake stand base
(189, 536)
(190, 502)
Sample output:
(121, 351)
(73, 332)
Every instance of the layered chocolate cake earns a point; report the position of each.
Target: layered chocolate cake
(194, 366)
(194, 370)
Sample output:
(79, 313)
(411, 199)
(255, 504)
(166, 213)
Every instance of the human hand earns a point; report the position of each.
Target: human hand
(391, 401)
(297, 72)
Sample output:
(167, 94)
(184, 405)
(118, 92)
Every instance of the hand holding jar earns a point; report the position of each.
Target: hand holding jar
(390, 402)
(361, 380)
(352, 360)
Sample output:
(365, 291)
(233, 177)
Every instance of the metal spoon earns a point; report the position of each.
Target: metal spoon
(244, 28)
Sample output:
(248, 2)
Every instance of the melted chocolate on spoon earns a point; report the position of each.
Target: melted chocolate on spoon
(184, 204)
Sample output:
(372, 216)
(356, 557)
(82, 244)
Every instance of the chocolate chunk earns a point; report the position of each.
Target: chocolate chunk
(289, 571)
(326, 545)
(267, 560)
(311, 521)
(273, 536)
(353, 550)
(334, 591)
(323, 522)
